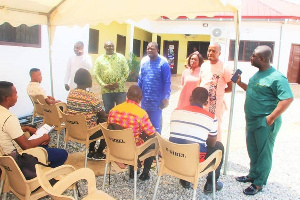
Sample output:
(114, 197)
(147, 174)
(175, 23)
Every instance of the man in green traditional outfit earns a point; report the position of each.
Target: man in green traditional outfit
(268, 95)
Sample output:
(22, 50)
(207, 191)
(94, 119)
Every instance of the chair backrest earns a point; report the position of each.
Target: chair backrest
(52, 116)
(16, 178)
(38, 110)
(179, 160)
(120, 143)
(76, 126)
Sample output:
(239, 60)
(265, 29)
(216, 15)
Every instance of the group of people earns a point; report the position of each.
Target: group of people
(197, 118)
(268, 95)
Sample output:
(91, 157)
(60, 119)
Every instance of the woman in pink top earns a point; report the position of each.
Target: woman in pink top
(190, 79)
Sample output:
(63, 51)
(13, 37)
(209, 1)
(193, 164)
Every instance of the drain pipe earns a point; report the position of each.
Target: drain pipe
(279, 47)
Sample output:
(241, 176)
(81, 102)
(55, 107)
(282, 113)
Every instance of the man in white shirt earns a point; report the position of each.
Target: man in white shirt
(76, 62)
(34, 88)
(11, 132)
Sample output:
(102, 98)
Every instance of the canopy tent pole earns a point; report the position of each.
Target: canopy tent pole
(237, 19)
(50, 39)
(51, 31)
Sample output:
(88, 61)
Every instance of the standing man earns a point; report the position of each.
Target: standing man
(111, 70)
(193, 124)
(155, 82)
(215, 76)
(268, 95)
(76, 62)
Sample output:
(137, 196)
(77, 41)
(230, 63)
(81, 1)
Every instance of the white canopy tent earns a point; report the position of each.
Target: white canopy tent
(81, 12)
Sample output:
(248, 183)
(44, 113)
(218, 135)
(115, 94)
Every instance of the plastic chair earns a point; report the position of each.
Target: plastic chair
(37, 108)
(182, 161)
(14, 179)
(121, 148)
(78, 131)
(53, 117)
(71, 176)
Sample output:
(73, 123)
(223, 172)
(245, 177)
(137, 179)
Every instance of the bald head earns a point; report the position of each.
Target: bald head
(264, 52)
(213, 53)
(135, 93)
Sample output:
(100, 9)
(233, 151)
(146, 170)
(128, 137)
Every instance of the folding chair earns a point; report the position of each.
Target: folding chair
(14, 179)
(71, 176)
(182, 161)
(53, 117)
(121, 148)
(37, 108)
(78, 131)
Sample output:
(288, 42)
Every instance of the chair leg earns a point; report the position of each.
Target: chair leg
(57, 140)
(156, 188)
(65, 143)
(4, 196)
(32, 120)
(1, 186)
(157, 165)
(135, 180)
(214, 184)
(105, 171)
(85, 159)
(194, 194)
(75, 192)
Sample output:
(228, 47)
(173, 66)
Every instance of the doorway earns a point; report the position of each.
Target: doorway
(199, 46)
(171, 53)
(121, 44)
(293, 74)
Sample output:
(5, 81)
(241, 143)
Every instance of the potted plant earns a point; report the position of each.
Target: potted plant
(134, 68)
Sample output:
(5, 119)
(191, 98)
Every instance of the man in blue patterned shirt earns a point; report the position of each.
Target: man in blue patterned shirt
(155, 82)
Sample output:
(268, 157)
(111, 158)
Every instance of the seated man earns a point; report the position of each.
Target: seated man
(12, 135)
(82, 101)
(193, 124)
(130, 115)
(34, 87)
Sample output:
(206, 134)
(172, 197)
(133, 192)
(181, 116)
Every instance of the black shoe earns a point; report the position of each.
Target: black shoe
(185, 184)
(99, 156)
(208, 187)
(131, 172)
(90, 155)
(244, 179)
(144, 177)
(251, 190)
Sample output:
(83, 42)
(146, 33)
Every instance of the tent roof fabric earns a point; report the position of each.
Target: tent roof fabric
(80, 12)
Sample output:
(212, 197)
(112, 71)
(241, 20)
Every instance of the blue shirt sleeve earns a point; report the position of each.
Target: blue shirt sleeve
(166, 71)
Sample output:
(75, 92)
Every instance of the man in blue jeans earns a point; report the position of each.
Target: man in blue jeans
(111, 71)
(12, 134)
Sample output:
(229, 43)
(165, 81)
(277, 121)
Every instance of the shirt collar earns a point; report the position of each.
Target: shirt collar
(130, 101)
(197, 104)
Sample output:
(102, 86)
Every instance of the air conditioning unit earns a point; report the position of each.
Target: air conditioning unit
(217, 32)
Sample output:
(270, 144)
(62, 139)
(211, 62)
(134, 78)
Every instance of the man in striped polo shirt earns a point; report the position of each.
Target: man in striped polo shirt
(193, 124)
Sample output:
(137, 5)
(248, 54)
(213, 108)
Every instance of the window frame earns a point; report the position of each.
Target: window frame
(38, 45)
(232, 45)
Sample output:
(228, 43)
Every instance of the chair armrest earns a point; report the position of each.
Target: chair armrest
(145, 145)
(38, 152)
(59, 171)
(73, 177)
(205, 164)
(93, 130)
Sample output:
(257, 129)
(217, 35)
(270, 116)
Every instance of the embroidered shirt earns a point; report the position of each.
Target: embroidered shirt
(111, 69)
(130, 115)
(155, 82)
(82, 101)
